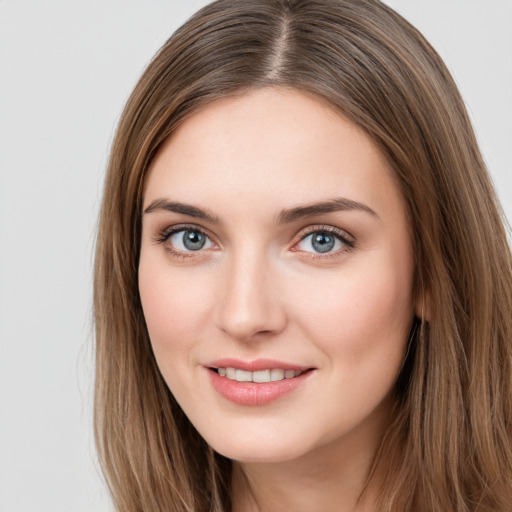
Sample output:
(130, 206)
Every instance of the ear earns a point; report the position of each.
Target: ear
(423, 306)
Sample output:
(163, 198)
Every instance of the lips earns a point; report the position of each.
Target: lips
(255, 382)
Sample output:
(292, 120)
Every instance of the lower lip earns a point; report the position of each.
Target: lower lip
(252, 393)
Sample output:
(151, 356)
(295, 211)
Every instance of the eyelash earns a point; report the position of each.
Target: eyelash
(345, 238)
(167, 233)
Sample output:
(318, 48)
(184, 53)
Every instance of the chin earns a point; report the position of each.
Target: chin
(265, 447)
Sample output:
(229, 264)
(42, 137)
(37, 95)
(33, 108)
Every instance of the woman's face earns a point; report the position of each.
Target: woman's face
(276, 276)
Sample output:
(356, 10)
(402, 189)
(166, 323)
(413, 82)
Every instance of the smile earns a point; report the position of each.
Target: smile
(256, 383)
(261, 376)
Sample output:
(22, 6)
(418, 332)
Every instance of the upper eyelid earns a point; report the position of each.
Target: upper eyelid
(342, 233)
(162, 235)
(175, 228)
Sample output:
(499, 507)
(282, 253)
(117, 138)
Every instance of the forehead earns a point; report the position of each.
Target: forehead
(276, 144)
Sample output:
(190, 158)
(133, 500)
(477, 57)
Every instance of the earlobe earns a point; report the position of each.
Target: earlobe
(423, 308)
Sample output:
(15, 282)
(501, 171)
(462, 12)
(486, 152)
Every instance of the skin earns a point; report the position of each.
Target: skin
(258, 289)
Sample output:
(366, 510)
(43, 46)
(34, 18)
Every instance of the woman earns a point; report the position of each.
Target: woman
(303, 289)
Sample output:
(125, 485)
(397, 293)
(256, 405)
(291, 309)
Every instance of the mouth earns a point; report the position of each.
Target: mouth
(259, 376)
(256, 382)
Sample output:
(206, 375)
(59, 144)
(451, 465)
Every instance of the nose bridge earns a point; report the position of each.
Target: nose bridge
(249, 303)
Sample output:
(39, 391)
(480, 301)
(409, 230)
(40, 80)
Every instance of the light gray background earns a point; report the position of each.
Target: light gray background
(66, 68)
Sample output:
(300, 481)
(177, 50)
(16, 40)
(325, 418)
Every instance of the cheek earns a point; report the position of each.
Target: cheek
(360, 315)
(175, 307)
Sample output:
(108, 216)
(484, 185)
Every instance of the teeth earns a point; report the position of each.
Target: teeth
(271, 375)
(243, 376)
(261, 376)
(276, 374)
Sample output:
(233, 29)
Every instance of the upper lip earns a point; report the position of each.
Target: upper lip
(255, 365)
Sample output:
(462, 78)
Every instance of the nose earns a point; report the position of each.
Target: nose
(249, 304)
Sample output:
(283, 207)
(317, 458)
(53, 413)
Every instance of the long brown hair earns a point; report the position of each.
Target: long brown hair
(450, 444)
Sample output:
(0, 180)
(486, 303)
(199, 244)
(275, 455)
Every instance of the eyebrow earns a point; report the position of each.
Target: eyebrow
(285, 216)
(334, 205)
(185, 209)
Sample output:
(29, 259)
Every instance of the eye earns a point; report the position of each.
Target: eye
(189, 240)
(324, 241)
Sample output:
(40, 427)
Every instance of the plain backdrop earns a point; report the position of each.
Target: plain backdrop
(66, 69)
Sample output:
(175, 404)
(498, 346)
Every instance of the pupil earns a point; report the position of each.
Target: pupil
(193, 240)
(323, 242)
